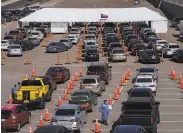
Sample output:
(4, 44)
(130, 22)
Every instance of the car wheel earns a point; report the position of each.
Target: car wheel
(100, 93)
(48, 97)
(42, 104)
(18, 127)
(29, 119)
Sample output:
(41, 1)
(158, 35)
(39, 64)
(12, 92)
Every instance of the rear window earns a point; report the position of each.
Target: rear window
(135, 106)
(63, 40)
(80, 93)
(118, 51)
(5, 114)
(3, 41)
(91, 43)
(55, 70)
(35, 33)
(147, 70)
(89, 81)
(65, 112)
(96, 69)
(31, 83)
(162, 42)
(89, 37)
(15, 47)
(53, 44)
(140, 94)
(70, 36)
(174, 46)
(144, 80)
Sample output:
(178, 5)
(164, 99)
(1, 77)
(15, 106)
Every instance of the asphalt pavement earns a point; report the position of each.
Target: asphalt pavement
(168, 94)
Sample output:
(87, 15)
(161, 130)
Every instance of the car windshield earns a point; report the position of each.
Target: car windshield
(135, 106)
(15, 47)
(31, 83)
(80, 94)
(96, 69)
(118, 51)
(65, 112)
(3, 41)
(35, 33)
(140, 94)
(144, 80)
(89, 37)
(92, 51)
(5, 114)
(174, 46)
(14, 32)
(89, 81)
(8, 37)
(147, 70)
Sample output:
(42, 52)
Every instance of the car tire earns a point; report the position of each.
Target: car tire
(48, 97)
(55, 87)
(158, 118)
(42, 104)
(18, 126)
(100, 92)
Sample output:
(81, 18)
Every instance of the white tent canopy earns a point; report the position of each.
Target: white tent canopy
(62, 16)
(93, 15)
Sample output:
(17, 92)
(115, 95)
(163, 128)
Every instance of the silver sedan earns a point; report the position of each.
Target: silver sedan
(72, 116)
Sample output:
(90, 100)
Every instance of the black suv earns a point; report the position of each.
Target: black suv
(102, 69)
(91, 54)
(149, 56)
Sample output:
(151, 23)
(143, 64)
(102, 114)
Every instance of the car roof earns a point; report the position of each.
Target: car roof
(48, 129)
(9, 106)
(144, 76)
(90, 35)
(68, 106)
(90, 76)
(126, 129)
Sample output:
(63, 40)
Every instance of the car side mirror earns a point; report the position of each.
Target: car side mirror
(133, 80)
(110, 66)
(157, 103)
(156, 69)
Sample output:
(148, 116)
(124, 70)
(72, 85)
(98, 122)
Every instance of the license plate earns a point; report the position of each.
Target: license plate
(153, 57)
(26, 101)
(64, 123)
(3, 120)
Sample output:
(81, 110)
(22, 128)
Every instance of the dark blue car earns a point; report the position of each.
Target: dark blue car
(129, 129)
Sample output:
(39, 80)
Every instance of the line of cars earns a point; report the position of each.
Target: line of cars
(33, 92)
(16, 14)
(140, 110)
(144, 43)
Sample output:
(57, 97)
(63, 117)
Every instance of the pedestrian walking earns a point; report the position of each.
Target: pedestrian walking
(13, 90)
(104, 110)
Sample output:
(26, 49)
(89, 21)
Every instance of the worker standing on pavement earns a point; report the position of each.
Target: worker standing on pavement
(13, 90)
(104, 110)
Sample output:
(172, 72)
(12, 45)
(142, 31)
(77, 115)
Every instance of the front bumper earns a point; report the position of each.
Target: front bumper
(70, 126)
(150, 60)
(15, 54)
(51, 50)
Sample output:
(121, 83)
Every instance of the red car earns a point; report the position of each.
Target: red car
(14, 116)
(17, 33)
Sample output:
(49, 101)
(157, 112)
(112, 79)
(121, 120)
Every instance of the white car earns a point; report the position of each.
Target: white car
(15, 50)
(145, 81)
(160, 44)
(170, 49)
(73, 38)
(37, 34)
(90, 37)
(5, 44)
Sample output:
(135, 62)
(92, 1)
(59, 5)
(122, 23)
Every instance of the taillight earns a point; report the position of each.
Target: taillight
(74, 120)
(152, 120)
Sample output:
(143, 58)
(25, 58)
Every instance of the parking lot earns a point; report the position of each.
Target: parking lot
(169, 93)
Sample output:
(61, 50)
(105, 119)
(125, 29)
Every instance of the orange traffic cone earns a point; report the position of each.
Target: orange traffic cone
(171, 73)
(27, 61)
(70, 84)
(58, 60)
(67, 59)
(65, 95)
(181, 85)
(68, 89)
(118, 90)
(76, 77)
(59, 101)
(2, 54)
(33, 73)
(174, 76)
(122, 81)
(126, 75)
(116, 97)
(97, 127)
(41, 122)
(129, 74)
(26, 75)
(47, 116)
(30, 129)
(10, 101)
(110, 100)
(180, 79)
(81, 73)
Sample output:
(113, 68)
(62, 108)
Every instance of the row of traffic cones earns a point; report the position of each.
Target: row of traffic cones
(174, 77)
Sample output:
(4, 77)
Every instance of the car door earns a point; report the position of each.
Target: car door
(20, 115)
(79, 114)
(24, 114)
